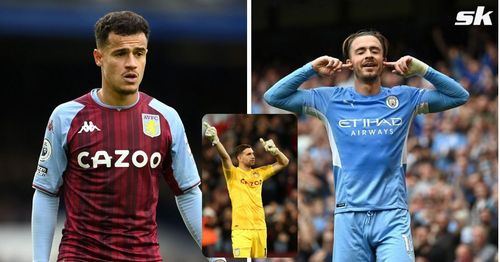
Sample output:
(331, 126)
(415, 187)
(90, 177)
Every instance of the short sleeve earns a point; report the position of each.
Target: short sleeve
(228, 172)
(52, 161)
(266, 171)
(185, 173)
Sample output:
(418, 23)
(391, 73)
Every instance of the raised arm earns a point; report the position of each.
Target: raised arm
(211, 134)
(281, 160)
(284, 93)
(448, 93)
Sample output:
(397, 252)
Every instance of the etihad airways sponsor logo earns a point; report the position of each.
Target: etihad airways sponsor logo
(370, 122)
(371, 126)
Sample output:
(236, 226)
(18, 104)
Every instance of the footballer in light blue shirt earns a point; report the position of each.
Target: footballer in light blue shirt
(367, 126)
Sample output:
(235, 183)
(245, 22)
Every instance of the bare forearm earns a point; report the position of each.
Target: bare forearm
(281, 158)
(224, 156)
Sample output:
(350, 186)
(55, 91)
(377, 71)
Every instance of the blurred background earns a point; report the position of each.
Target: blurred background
(279, 192)
(452, 174)
(197, 51)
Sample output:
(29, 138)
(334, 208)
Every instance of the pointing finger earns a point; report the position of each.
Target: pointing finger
(348, 65)
(206, 125)
(389, 64)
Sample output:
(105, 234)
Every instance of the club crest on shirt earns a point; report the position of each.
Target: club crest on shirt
(151, 125)
(392, 102)
(255, 174)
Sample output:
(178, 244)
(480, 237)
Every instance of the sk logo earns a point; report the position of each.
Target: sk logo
(477, 17)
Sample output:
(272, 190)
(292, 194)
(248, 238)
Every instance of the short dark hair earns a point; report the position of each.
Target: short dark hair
(346, 46)
(121, 23)
(240, 148)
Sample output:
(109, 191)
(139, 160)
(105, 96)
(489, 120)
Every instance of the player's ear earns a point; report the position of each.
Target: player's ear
(97, 57)
(348, 61)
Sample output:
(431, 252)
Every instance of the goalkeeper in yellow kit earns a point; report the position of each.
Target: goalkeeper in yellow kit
(244, 183)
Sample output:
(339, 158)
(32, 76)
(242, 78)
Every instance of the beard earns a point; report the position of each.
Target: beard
(250, 163)
(367, 78)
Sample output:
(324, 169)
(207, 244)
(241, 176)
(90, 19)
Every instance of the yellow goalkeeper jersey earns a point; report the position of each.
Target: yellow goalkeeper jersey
(245, 191)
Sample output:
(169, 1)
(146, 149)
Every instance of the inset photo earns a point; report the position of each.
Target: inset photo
(249, 185)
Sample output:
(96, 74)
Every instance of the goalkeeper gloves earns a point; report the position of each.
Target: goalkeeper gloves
(269, 146)
(211, 133)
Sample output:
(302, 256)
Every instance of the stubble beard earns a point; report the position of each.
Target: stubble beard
(250, 163)
(369, 79)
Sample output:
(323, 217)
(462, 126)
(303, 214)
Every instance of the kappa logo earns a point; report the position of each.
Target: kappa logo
(88, 127)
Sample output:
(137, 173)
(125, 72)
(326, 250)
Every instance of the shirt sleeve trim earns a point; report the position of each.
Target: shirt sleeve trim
(191, 187)
(43, 190)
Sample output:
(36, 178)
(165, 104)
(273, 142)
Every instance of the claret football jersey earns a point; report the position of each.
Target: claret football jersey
(106, 163)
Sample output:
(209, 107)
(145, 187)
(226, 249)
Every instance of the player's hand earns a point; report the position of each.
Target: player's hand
(269, 146)
(211, 133)
(408, 66)
(327, 65)
(216, 259)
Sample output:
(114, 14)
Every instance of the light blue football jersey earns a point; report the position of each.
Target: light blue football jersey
(367, 137)
(367, 134)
